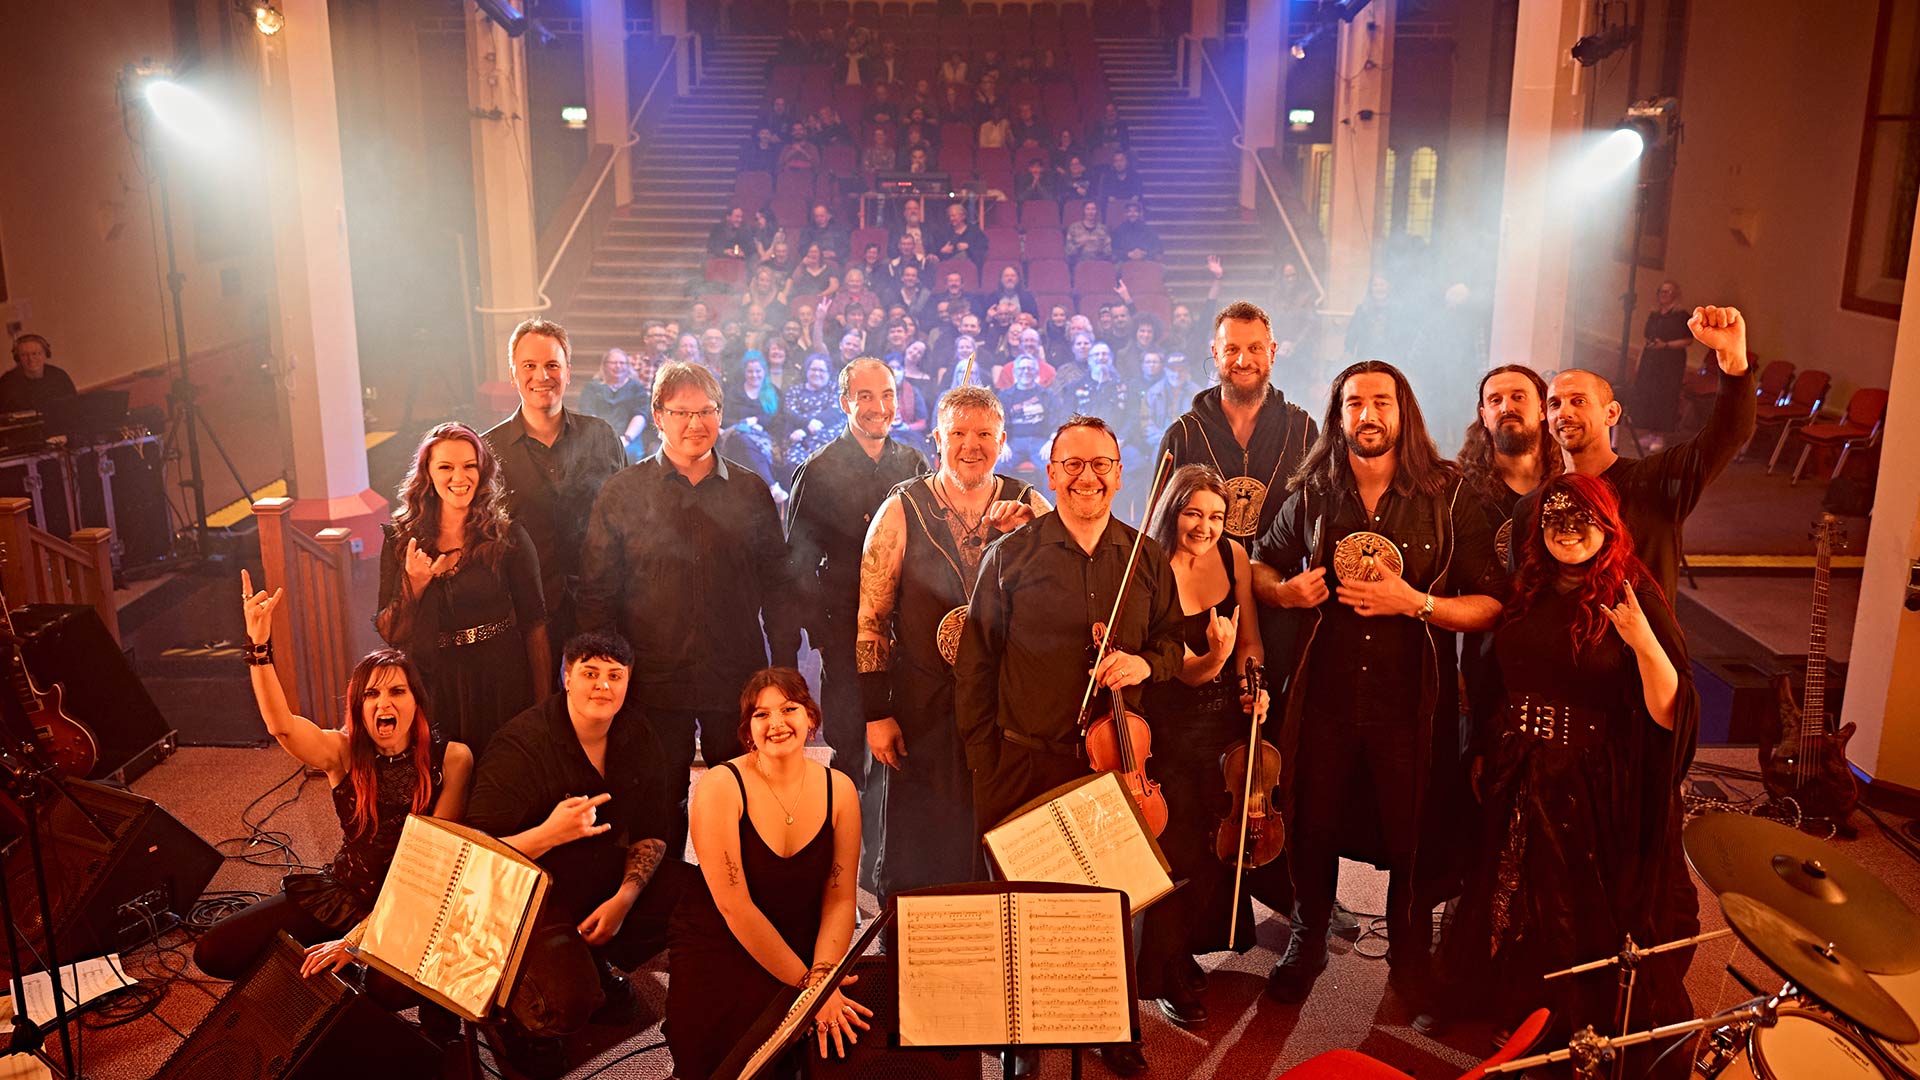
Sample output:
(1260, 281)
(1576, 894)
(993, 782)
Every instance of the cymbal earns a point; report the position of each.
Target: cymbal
(1817, 967)
(1811, 882)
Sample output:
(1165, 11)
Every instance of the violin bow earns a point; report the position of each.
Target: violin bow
(966, 372)
(1246, 801)
(1120, 595)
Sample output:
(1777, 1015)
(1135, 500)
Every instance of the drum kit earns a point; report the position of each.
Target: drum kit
(1847, 948)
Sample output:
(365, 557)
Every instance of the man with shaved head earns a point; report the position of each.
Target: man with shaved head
(1658, 491)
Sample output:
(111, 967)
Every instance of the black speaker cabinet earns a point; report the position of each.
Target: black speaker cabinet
(122, 486)
(875, 1056)
(68, 644)
(109, 854)
(275, 1025)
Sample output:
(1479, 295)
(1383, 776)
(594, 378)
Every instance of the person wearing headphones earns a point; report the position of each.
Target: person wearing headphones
(32, 382)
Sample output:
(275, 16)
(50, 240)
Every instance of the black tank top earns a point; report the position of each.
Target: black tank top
(789, 891)
(1210, 712)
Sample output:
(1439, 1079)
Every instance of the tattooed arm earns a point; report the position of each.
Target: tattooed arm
(715, 822)
(643, 859)
(881, 560)
(840, 895)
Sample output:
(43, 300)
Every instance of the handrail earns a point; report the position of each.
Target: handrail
(1240, 140)
(316, 572)
(37, 567)
(586, 204)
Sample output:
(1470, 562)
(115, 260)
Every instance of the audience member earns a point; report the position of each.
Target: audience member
(1133, 238)
(879, 155)
(1109, 131)
(1010, 290)
(836, 242)
(813, 411)
(800, 151)
(962, 239)
(1040, 184)
(1119, 181)
(1033, 412)
(616, 397)
(730, 238)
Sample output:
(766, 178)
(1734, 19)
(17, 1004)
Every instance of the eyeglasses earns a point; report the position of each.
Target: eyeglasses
(1075, 466)
(681, 416)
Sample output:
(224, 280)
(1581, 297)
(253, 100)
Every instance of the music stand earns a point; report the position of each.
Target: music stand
(779, 1027)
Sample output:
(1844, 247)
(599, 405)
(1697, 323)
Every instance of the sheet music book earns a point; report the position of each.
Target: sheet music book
(1086, 832)
(454, 915)
(1014, 964)
(782, 1024)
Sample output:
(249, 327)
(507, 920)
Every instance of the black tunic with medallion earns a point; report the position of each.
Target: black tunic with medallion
(929, 803)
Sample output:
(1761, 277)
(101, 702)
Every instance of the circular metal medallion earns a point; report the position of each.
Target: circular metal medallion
(1366, 556)
(1503, 541)
(947, 637)
(1245, 495)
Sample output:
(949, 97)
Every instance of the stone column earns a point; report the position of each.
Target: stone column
(1209, 24)
(1883, 689)
(605, 23)
(1363, 87)
(1266, 88)
(670, 21)
(1537, 227)
(316, 356)
(502, 181)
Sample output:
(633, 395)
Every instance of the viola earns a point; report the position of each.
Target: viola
(1251, 833)
(1121, 741)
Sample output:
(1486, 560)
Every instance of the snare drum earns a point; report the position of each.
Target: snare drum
(1905, 990)
(1802, 1045)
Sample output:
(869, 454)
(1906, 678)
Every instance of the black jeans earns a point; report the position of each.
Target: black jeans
(719, 741)
(235, 942)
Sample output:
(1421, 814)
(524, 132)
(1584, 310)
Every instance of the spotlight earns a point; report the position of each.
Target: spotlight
(1614, 155)
(1299, 50)
(574, 116)
(1655, 120)
(510, 15)
(267, 18)
(186, 115)
(1647, 126)
(1594, 48)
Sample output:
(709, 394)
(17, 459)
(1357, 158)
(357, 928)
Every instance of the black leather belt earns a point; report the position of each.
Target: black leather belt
(1575, 726)
(474, 635)
(1077, 749)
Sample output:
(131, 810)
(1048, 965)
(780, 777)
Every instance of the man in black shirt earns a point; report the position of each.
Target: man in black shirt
(32, 382)
(552, 461)
(1032, 413)
(1133, 238)
(730, 238)
(1022, 666)
(685, 557)
(962, 239)
(1372, 703)
(576, 784)
(1658, 491)
(835, 495)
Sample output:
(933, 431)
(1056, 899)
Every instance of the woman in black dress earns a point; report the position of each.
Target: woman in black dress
(1196, 718)
(778, 842)
(382, 764)
(1580, 790)
(460, 589)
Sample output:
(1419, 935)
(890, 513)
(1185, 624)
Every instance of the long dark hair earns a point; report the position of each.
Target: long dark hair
(790, 683)
(418, 515)
(1163, 524)
(1476, 450)
(1421, 470)
(1605, 577)
(360, 749)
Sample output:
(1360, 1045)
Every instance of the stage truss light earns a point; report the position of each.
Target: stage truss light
(1596, 47)
(267, 19)
(1655, 120)
(510, 16)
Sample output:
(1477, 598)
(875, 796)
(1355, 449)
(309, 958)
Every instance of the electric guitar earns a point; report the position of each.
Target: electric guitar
(1805, 760)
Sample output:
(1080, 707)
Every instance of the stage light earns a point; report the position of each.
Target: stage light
(508, 14)
(1299, 50)
(1594, 48)
(267, 19)
(575, 117)
(1300, 119)
(1614, 155)
(1655, 120)
(183, 112)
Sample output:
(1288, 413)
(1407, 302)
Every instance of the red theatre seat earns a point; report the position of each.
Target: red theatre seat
(1801, 406)
(1860, 427)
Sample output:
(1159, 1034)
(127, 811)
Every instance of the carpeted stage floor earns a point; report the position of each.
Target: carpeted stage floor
(1247, 1038)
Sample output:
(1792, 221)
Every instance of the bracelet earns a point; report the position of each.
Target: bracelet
(260, 655)
(1426, 610)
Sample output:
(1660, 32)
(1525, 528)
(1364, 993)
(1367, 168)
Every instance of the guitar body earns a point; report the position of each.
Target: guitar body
(69, 746)
(1808, 763)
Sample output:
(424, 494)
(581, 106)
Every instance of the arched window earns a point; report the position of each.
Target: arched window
(1421, 172)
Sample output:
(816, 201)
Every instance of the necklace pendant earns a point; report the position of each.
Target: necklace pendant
(789, 819)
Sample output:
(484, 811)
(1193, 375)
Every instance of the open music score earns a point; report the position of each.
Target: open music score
(1086, 832)
(1014, 964)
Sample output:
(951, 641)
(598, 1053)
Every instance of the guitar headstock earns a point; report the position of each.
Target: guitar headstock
(1829, 531)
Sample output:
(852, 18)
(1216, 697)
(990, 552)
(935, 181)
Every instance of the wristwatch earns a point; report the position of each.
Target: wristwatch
(1426, 609)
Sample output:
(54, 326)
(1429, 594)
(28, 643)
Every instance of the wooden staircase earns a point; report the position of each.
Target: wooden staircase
(683, 176)
(1184, 151)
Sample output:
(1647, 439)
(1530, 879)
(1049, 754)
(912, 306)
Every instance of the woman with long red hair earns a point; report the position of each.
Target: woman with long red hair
(382, 763)
(1580, 786)
(460, 589)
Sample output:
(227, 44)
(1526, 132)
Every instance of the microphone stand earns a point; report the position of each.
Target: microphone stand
(1628, 960)
(27, 777)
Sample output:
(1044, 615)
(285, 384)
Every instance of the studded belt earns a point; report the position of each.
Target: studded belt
(474, 635)
(1575, 726)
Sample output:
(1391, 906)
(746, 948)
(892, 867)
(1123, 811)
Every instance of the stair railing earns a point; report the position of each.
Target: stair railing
(692, 46)
(1193, 50)
(41, 568)
(317, 573)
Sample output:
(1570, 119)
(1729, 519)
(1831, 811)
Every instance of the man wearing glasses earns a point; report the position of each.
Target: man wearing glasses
(1024, 655)
(684, 557)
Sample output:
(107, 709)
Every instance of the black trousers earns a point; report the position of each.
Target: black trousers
(844, 723)
(1346, 769)
(235, 942)
(1017, 775)
(719, 741)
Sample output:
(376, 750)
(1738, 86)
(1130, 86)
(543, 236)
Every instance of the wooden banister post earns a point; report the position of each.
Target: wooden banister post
(15, 569)
(272, 516)
(97, 546)
(337, 591)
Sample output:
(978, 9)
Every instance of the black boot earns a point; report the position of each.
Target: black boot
(1125, 1059)
(1306, 957)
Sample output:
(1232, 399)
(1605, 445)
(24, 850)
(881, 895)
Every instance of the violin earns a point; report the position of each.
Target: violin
(1251, 833)
(1121, 741)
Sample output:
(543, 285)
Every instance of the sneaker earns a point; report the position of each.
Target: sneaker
(622, 1006)
(1293, 977)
